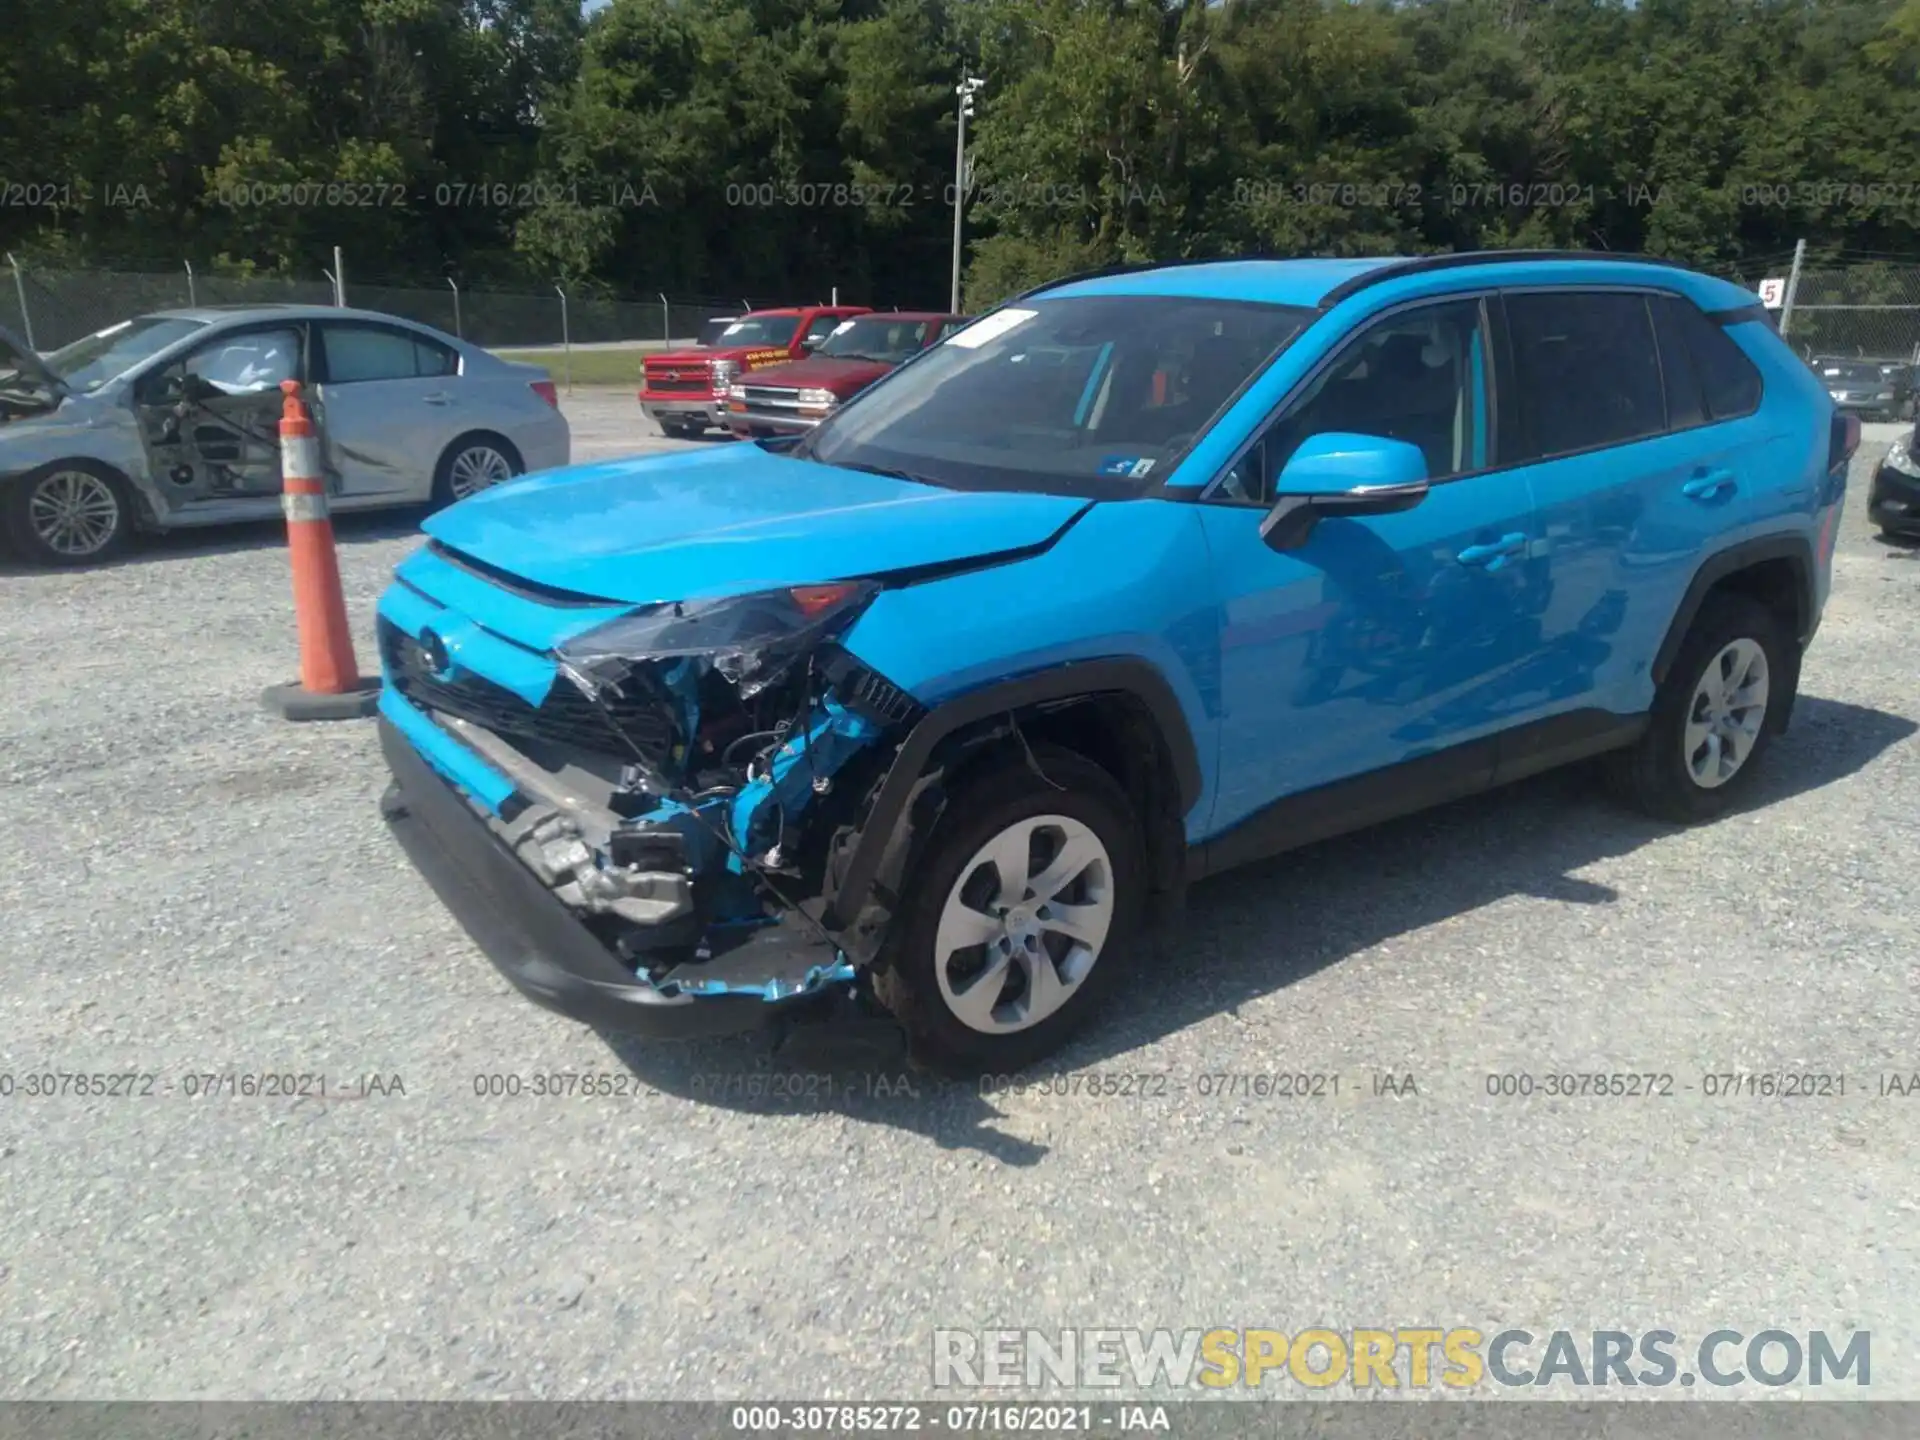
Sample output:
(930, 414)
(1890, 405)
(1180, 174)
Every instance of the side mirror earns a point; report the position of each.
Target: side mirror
(812, 342)
(1335, 475)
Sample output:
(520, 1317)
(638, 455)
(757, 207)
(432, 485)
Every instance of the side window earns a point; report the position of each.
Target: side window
(1418, 376)
(431, 360)
(249, 362)
(1685, 404)
(1728, 378)
(1586, 371)
(357, 353)
(819, 328)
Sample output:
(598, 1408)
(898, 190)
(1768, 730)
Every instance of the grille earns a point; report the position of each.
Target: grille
(566, 717)
(772, 397)
(693, 384)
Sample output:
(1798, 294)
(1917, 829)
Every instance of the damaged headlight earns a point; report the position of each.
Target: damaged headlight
(751, 640)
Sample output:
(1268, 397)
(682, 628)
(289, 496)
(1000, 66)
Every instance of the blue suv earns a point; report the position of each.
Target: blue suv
(1141, 576)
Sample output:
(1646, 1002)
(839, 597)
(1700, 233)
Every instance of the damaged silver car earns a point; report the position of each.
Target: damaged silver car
(171, 420)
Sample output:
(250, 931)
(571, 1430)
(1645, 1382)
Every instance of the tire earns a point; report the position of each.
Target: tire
(69, 513)
(466, 469)
(1690, 766)
(926, 979)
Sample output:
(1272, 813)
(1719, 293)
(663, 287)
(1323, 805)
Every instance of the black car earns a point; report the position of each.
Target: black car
(1871, 389)
(1893, 502)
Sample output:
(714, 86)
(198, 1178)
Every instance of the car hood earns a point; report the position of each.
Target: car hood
(823, 372)
(18, 358)
(732, 520)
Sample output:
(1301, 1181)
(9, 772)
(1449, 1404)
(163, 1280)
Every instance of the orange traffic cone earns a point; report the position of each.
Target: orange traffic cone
(329, 687)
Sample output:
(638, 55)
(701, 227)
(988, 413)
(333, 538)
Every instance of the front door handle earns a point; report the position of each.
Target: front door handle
(1710, 485)
(439, 397)
(1495, 554)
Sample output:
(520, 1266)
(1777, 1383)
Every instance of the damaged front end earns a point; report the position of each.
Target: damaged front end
(685, 782)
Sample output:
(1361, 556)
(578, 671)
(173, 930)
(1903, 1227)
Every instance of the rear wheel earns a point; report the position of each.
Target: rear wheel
(1020, 915)
(72, 512)
(1711, 718)
(474, 463)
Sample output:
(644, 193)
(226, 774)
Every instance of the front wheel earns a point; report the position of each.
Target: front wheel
(1019, 914)
(1713, 716)
(72, 512)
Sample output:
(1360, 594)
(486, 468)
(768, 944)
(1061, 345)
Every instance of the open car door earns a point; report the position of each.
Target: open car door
(210, 420)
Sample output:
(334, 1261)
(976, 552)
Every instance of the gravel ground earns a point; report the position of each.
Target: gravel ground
(191, 886)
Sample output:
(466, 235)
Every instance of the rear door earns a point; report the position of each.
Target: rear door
(1638, 468)
(210, 420)
(390, 402)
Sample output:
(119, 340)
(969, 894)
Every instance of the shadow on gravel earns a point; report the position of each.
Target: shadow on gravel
(348, 530)
(1258, 930)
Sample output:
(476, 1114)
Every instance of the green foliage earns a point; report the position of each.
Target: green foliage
(789, 146)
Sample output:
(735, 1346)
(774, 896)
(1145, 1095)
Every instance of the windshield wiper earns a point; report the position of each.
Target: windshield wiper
(874, 470)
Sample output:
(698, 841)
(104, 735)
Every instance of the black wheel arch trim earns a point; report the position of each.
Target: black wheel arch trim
(1075, 680)
(1797, 550)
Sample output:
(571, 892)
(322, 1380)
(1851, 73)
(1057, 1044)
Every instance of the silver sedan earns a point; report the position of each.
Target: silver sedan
(171, 420)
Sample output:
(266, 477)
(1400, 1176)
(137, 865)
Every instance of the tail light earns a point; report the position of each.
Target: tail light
(1843, 440)
(544, 389)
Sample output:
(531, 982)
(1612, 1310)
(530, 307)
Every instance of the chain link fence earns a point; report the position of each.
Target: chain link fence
(50, 308)
(1869, 310)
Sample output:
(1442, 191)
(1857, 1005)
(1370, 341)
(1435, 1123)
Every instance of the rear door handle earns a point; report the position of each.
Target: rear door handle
(439, 397)
(1492, 556)
(1710, 485)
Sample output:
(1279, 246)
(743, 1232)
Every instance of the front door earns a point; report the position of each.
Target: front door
(210, 420)
(1387, 637)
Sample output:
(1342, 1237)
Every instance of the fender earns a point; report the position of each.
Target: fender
(1071, 681)
(1797, 550)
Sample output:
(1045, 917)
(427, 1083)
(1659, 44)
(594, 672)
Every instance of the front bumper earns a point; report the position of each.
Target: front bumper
(759, 423)
(534, 939)
(1893, 501)
(705, 407)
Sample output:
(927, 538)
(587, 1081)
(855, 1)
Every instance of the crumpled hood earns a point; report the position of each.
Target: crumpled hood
(729, 521)
(20, 365)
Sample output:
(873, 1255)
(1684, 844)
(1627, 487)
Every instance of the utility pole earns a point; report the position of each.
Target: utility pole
(969, 85)
(456, 308)
(1793, 285)
(339, 280)
(20, 289)
(192, 299)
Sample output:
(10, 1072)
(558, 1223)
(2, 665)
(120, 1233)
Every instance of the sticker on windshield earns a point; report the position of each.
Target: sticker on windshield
(991, 327)
(1125, 466)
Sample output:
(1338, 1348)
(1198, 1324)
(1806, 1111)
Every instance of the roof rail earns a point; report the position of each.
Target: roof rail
(1393, 268)
(1133, 267)
(1426, 264)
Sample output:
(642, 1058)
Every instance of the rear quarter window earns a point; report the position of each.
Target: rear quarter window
(1729, 381)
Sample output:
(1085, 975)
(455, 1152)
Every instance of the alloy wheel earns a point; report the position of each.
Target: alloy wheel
(74, 513)
(1724, 719)
(477, 468)
(1024, 924)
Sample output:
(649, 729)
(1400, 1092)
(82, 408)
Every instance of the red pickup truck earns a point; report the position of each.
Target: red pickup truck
(684, 390)
(787, 399)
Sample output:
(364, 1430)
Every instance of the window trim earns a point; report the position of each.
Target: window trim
(323, 369)
(1492, 337)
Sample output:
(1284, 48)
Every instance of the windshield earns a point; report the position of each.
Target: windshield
(760, 330)
(876, 337)
(711, 331)
(90, 363)
(1855, 370)
(1096, 396)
